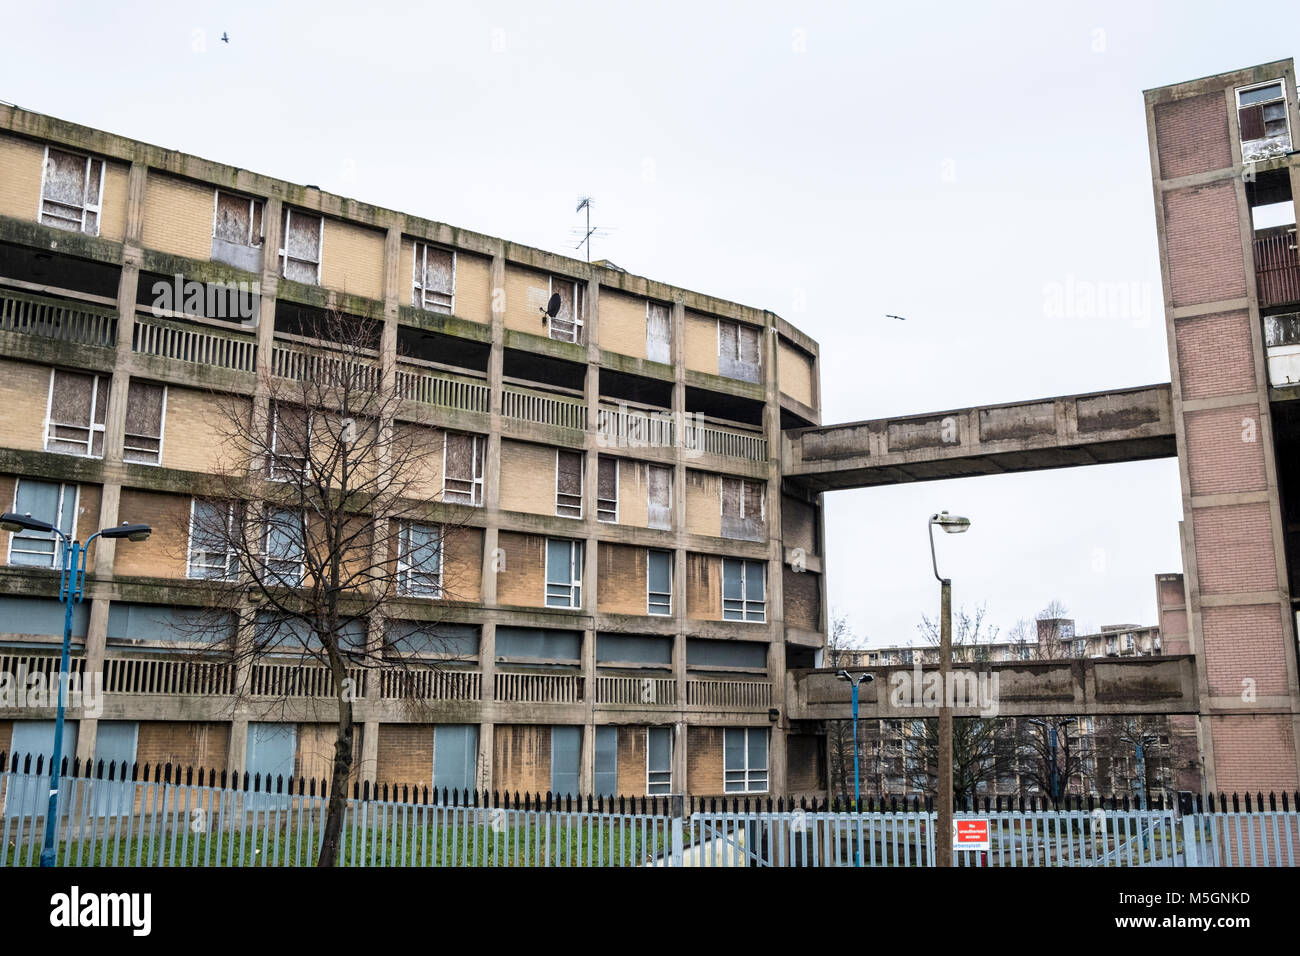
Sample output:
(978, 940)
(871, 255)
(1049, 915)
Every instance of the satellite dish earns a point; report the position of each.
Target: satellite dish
(552, 307)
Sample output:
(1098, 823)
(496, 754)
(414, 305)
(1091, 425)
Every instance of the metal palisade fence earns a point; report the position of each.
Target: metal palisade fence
(110, 815)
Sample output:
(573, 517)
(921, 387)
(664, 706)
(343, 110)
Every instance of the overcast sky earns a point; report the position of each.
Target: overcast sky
(980, 169)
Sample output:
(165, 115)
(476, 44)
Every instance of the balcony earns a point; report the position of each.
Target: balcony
(637, 691)
(75, 322)
(728, 442)
(561, 409)
(729, 694)
(1277, 266)
(194, 343)
(430, 683)
(538, 688)
(627, 426)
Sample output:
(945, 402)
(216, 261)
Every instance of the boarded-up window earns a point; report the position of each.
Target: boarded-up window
(607, 489)
(433, 279)
(568, 484)
(288, 441)
(659, 583)
(144, 422)
(78, 408)
(1262, 116)
(738, 350)
(567, 323)
(462, 469)
(300, 255)
(71, 191)
(742, 509)
(238, 220)
(659, 496)
(658, 332)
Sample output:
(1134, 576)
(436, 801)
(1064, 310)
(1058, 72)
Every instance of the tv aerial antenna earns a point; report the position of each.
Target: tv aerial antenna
(590, 232)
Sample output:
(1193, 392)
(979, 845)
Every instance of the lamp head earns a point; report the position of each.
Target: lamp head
(12, 521)
(953, 524)
(132, 532)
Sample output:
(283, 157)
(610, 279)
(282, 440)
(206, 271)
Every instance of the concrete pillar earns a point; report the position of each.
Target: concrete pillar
(776, 561)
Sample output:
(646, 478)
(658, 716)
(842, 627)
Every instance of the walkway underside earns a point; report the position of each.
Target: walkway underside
(1098, 428)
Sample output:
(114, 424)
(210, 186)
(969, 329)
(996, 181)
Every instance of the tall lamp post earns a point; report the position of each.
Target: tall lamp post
(863, 678)
(72, 577)
(952, 524)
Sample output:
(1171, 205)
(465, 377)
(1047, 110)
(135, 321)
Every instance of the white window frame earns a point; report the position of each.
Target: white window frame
(618, 477)
(582, 484)
(253, 242)
(406, 570)
(162, 430)
(274, 471)
(649, 594)
(1286, 107)
(579, 314)
(231, 558)
(92, 430)
(267, 558)
(419, 264)
(475, 480)
(55, 562)
(96, 208)
(745, 602)
(650, 775)
(284, 245)
(748, 771)
(574, 584)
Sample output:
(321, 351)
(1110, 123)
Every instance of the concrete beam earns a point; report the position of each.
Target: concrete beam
(1096, 428)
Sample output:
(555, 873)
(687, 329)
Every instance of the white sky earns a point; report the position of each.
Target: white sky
(963, 165)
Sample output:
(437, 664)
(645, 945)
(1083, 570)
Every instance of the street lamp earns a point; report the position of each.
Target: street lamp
(863, 678)
(72, 577)
(952, 524)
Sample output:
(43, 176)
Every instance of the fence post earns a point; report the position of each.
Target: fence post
(678, 811)
(1191, 847)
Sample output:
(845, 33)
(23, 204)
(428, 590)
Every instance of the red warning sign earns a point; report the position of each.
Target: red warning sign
(971, 835)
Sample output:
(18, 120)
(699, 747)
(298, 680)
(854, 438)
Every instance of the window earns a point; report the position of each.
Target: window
(271, 752)
(742, 509)
(658, 333)
(563, 573)
(659, 496)
(659, 760)
(237, 230)
(419, 559)
(288, 441)
(744, 760)
(606, 770)
(566, 326)
(744, 591)
(607, 489)
(301, 253)
(462, 469)
(568, 484)
(146, 406)
(52, 503)
(455, 755)
(738, 350)
(71, 191)
(659, 583)
(1261, 114)
(78, 407)
(566, 751)
(213, 528)
(433, 278)
(283, 548)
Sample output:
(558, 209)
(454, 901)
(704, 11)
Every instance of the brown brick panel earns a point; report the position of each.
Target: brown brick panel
(631, 761)
(622, 579)
(1204, 244)
(803, 599)
(521, 758)
(1254, 753)
(405, 754)
(1215, 355)
(522, 581)
(165, 556)
(704, 760)
(1192, 135)
(806, 758)
(196, 745)
(1224, 450)
(703, 587)
(1234, 549)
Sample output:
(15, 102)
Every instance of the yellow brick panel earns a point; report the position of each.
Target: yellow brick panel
(703, 503)
(704, 760)
(352, 260)
(522, 581)
(528, 478)
(622, 571)
(631, 761)
(112, 219)
(622, 323)
(702, 343)
(314, 758)
(24, 392)
(526, 291)
(632, 491)
(521, 758)
(196, 431)
(198, 745)
(178, 216)
(473, 287)
(462, 573)
(20, 181)
(703, 587)
(404, 755)
(794, 374)
(164, 556)
(405, 273)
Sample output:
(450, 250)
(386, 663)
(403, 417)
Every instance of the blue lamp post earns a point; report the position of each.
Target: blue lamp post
(863, 678)
(72, 577)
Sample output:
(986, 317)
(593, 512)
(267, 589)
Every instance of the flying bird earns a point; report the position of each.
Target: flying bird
(225, 38)
(899, 317)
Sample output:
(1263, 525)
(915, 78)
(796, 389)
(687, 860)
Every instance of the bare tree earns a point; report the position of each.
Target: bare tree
(971, 633)
(1165, 755)
(319, 529)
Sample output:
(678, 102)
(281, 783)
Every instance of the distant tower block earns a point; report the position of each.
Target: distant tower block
(1220, 152)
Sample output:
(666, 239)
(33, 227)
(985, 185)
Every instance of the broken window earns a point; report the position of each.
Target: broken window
(568, 484)
(433, 280)
(566, 325)
(744, 590)
(742, 509)
(419, 559)
(462, 469)
(145, 405)
(78, 408)
(300, 254)
(288, 441)
(563, 573)
(237, 230)
(659, 496)
(607, 489)
(283, 548)
(212, 535)
(659, 583)
(47, 501)
(738, 350)
(658, 333)
(1262, 116)
(71, 191)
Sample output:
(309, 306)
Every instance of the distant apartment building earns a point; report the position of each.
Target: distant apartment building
(633, 582)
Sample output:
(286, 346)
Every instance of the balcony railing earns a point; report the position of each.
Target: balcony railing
(442, 390)
(624, 427)
(546, 408)
(430, 684)
(198, 344)
(538, 688)
(637, 691)
(299, 680)
(728, 442)
(304, 364)
(74, 322)
(729, 694)
(155, 676)
(1277, 267)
